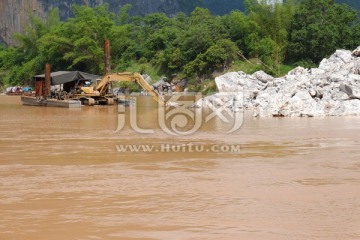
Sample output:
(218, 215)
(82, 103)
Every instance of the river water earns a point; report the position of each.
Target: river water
(65, 174)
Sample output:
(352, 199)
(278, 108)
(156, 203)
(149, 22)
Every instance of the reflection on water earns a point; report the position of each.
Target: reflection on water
(62, 177)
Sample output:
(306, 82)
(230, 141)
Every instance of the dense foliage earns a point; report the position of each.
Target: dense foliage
(319, 27)
(194, 45)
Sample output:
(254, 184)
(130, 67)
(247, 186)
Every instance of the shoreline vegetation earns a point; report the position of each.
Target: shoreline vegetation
(197, 47)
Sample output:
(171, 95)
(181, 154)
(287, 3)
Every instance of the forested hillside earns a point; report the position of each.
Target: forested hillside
(14, 15)
(226, 6)
(194, 46)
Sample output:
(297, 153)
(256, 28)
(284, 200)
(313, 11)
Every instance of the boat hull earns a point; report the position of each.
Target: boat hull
(33, 101)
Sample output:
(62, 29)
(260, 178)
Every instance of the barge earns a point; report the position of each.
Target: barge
(38, 101)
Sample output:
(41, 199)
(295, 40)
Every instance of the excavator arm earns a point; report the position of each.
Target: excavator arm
(102, 86)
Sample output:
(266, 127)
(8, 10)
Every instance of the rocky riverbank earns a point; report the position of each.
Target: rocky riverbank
(332, 89)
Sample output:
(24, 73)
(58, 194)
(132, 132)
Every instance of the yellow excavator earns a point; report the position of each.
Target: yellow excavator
(101, 93)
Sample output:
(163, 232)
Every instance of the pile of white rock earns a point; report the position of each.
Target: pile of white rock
(332, 89)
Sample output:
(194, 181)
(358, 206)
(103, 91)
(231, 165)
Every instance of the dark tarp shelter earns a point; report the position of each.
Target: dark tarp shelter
(62, 77)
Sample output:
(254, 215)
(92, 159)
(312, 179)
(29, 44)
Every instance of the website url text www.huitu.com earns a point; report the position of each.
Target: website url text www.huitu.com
(175, 148)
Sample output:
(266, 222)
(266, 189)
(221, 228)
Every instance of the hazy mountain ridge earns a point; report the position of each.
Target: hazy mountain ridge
(14, 15)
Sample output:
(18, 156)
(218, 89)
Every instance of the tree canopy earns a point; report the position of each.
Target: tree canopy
(194, 45)
(321, 26)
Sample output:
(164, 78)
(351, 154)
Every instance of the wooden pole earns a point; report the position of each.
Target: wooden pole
(46, 91)
(107, 56)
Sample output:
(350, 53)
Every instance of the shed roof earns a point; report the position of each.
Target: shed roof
(62, 77)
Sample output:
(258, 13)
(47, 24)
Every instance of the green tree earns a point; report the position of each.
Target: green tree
(240, 29)
(124, 17)
(217, 57)
(86, 33)
(273, 23)
(182, 42)
(203, 31)
(74, 44)
(319, 28)
(21, 62)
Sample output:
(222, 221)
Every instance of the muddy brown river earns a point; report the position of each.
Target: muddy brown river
(67, 174)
